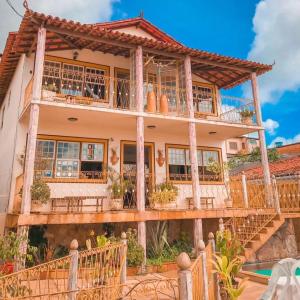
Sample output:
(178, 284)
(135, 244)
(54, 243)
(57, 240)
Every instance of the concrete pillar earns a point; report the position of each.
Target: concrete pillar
(245, 192)
(33, 121)
(275, 195)
(262, 139)
(22, 231)
(185, 283)
(73, 271)
(198, 235)
(140, 139)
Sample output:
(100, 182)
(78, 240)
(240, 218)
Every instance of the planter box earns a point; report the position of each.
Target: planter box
(165, 206)
(37, 206)
(116, 204)
(247, 120)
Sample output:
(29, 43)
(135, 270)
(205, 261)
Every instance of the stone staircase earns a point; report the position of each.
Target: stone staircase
(254, 231)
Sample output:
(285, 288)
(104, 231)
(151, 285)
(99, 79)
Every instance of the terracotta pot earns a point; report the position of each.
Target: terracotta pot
(7, 268)
(163, 109)
(247, 120)
(151, 102)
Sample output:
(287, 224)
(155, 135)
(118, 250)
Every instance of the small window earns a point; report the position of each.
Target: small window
(233, 145)
(252, 142)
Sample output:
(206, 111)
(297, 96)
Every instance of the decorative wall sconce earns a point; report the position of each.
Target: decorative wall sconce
(114, 157)
(160, 159)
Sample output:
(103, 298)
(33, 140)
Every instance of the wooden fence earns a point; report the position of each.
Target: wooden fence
(63, 277)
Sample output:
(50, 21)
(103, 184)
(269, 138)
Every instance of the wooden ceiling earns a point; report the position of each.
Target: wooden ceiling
(62, 34)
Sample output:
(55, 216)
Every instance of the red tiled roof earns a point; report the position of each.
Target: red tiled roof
(280, 167)
(139, 22)
(62, 34)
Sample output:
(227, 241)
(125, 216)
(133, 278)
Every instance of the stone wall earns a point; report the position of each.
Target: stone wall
(281, 245)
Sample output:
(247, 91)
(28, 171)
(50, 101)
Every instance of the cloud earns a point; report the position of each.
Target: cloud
(276, 25)
(285, 141)
(85, 11)
(271, 126)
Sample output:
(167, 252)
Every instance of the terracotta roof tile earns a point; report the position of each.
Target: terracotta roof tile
(280, 167)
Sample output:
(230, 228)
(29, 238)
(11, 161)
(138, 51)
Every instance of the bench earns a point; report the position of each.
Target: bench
(77, 203)
(206, 202)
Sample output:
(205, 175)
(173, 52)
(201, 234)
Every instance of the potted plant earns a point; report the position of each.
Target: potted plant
(11, 252)
(49, 91)
(117, 189)
(228, 264)
(164, 196)
(40, 195)
(246, 116)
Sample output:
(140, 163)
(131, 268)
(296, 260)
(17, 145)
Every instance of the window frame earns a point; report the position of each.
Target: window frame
(177, 146)
(79, 140)
(214, 102)
(62, 61)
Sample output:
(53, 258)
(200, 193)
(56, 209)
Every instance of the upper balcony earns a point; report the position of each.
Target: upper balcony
(76, 83)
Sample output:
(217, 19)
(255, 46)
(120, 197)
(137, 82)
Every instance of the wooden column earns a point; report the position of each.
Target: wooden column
(33, 121)
(73, 271)
(185, 281)
(262, 138)
(198, 233)
(140, 160)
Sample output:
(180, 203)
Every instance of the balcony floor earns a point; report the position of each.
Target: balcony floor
(14, 220)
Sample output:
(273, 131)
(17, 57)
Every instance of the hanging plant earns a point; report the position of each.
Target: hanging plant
(40, 191)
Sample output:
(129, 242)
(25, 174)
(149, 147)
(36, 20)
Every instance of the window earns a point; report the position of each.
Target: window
(44, 160)
(67, 160)
(203, 98)
(243, 146)
(76, 79)
(252, 142)
(233, 145)
(179, 166)
(70, 159)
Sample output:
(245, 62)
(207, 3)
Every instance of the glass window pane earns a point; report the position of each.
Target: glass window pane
(176, 156)
(68, 150)
(92, 152)
(44, 159)
(67, 168)
(210, 156)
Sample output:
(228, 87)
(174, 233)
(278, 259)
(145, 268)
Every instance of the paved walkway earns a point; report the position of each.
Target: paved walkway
(253, 291)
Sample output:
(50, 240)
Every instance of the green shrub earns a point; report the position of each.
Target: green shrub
(40, 191)
(135, 252)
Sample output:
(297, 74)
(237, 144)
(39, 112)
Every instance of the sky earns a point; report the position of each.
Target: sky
(266, 31)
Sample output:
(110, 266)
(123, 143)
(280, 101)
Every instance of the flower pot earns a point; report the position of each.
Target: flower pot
(7, 268)
(38, 206)
(151, 102)
(163, 108)
(117, 204)
(247, 120)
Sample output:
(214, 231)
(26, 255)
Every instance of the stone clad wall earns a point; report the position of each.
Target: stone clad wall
(281, 245)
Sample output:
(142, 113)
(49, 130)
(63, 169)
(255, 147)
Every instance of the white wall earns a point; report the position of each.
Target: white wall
(8, 134)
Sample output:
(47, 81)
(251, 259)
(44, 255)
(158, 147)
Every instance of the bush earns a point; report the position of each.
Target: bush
(135, 252)
(40, 191)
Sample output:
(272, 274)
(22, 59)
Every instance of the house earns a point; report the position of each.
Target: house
(241, 145)
(289, 150)
(78, 100)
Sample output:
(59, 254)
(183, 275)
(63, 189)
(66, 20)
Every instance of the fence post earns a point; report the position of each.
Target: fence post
(245, 192)
(73, 271)
(275, 195)
(204, 270)
(211, 240)
(184, 277)
(124, 268)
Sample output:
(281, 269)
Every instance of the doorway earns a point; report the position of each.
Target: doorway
(128, 170)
